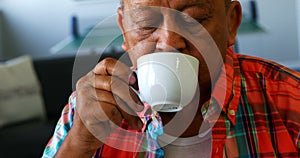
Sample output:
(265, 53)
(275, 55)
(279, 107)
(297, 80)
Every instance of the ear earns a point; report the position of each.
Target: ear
(234, 18)
(121, 26)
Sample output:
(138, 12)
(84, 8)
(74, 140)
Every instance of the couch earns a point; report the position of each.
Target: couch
(57, 79)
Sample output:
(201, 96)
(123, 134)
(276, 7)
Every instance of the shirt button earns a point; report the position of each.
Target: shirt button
(231, 112)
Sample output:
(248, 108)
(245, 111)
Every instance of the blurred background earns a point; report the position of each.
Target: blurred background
(34, 26)
(50, 32)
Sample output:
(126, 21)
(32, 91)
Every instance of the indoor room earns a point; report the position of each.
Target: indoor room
(46, 46)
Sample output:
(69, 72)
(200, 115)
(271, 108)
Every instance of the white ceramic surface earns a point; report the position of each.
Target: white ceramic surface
(167, 80)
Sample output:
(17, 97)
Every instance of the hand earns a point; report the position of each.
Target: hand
(103, 100)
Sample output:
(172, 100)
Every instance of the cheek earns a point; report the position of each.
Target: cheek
(209, 56)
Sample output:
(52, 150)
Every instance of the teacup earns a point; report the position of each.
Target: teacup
(167, 80)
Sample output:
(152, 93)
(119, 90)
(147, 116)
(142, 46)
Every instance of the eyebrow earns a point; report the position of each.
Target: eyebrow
(206, 5)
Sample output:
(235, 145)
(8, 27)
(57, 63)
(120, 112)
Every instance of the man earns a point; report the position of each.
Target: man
(257, 111)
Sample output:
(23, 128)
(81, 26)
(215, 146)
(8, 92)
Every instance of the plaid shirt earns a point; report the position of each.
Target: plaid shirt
(255, 113)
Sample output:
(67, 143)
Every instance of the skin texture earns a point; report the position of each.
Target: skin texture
(104, 93)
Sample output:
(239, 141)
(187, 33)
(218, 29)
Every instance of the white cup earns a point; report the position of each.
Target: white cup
(167, 80)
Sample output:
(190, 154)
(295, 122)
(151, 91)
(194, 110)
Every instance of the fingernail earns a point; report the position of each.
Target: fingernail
(139, 106)
(132, 79)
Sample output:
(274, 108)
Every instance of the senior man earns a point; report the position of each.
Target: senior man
(255, 114)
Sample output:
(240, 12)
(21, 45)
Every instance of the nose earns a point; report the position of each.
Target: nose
(170, 41)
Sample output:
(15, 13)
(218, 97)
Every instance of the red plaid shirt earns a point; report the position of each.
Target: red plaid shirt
(258, 116)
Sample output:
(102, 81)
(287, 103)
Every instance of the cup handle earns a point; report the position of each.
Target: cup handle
(135, 91)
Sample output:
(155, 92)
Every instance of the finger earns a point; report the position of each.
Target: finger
(109, 112)
(133, 120)
(90, 109)
(105, 67)
(105, 96)
(113, 67)
(115, 112)
(96, 107)
(112, 112)
(122, 97)
(120, 90)
(133, 80)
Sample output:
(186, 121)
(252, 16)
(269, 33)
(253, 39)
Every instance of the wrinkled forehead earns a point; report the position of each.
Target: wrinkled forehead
(174, 4)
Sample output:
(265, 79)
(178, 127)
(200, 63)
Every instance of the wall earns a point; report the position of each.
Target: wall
(298, 25)
(34, 26)
(280, 41)
(1, 34)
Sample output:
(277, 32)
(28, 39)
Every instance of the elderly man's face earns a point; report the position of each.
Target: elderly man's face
(151, 26)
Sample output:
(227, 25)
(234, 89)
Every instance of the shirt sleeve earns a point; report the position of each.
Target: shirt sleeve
(63, 126)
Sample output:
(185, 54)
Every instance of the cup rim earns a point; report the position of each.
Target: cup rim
(167, 54)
